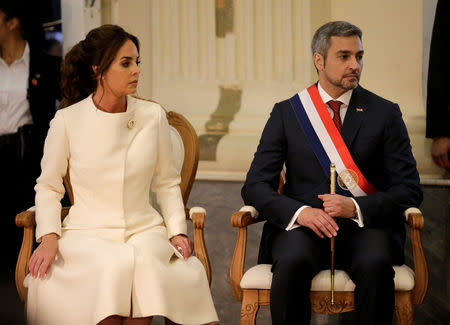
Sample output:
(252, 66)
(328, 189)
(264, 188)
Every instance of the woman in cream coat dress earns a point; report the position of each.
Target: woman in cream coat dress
(111, 261)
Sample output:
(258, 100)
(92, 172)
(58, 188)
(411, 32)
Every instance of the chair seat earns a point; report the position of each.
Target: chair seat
(260, 277)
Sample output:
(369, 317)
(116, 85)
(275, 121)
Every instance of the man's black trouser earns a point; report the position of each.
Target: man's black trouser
(366, 254)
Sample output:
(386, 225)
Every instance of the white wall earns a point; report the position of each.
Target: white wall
(78, 20)
(267, 57)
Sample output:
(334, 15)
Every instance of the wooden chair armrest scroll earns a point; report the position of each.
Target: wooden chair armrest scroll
(245, 217)
(415, 221)
(197, 215)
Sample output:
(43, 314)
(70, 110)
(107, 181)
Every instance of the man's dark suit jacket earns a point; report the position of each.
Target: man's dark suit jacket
(379, 144)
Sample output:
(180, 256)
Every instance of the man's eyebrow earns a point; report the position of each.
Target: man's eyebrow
(349, 52)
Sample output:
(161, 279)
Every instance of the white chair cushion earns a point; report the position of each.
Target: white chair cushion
(260, 277)
(248, 208)
(409, 211)
(257, 277)
(404, 278)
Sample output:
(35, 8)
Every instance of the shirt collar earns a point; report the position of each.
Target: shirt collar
(344, 98)
(26, 55)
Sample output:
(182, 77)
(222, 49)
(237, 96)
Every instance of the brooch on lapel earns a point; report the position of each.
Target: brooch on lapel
(34, 81)
(359, 109)
(131, 123)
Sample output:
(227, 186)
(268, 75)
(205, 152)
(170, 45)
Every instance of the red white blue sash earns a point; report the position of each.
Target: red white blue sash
(328, 144)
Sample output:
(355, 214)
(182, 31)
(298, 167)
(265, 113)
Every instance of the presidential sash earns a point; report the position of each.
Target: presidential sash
(327, 143)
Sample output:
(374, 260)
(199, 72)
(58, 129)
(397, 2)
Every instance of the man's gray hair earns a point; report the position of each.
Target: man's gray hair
(321, 40)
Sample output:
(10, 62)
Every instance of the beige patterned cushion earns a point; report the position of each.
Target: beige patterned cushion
(260, 277)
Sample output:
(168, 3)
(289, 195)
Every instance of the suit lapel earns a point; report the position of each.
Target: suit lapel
(354, 117)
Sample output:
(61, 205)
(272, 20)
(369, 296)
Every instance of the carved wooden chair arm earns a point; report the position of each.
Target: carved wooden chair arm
(241, 220)
(416, 223)
(197, 216)
(25, 219)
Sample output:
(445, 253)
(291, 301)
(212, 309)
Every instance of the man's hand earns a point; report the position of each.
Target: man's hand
(44, 255)
(439, 151)
(338, 205)
(183, 245)
(318, 221)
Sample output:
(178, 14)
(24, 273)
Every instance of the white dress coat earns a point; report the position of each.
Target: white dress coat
(114, 254)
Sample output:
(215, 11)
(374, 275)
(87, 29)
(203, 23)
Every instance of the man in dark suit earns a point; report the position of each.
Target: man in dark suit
(368, 229)
(28, 95)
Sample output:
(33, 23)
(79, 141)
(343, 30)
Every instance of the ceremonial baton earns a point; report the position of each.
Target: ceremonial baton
(332, 191)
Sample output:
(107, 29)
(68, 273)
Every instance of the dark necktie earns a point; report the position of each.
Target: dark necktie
(335, 105)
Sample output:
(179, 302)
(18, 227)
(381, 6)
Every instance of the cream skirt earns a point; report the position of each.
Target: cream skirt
(99, 273)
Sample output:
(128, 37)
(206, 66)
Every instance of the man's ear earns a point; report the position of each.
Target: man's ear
(319, 61)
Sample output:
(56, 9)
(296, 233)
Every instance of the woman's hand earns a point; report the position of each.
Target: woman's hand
(44, 256)
(183, 245)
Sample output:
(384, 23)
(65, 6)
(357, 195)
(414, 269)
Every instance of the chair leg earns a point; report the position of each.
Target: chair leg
(250, 307)
(403, 308)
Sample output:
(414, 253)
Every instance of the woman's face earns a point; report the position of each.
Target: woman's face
(122, 76)
(9, 28)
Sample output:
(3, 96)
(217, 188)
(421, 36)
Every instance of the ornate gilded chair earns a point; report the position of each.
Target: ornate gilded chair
(253, 286)
(185, 153)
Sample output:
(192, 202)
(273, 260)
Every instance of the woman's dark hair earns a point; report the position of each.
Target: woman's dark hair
(29, 15)
(99, 48)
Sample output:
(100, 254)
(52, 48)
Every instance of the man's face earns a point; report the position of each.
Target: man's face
(342, 68)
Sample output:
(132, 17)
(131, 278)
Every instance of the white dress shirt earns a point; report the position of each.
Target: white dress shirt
(345, 100)
(14, 105)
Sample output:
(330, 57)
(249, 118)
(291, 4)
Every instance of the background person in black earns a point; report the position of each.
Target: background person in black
(28, 92)
(438, 101)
